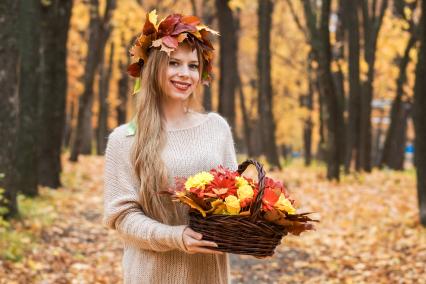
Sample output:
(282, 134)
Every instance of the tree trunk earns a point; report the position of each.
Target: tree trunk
(9, 103)
(123, 90)
(228, 62)
(208, 16)
(353, 129)
(330, 114)
(322, 143)
(246, 119)
(29, 78)
(308, 123)
(331, 99)
(378, 137)
(67, 131)
(104, 80)
(99, 31)
(265, 98)
(419, 118)
(391, 155)
(338, 76)
(338, 79)
(397, 159)
(55, 24)
(372, 23)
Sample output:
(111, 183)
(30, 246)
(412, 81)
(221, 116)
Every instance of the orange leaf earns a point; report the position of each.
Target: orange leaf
(148, 28)
(191, 20)
(192, 204)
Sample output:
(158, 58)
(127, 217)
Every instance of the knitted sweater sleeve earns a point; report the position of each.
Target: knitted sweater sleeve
(229, 155)
(123, 212)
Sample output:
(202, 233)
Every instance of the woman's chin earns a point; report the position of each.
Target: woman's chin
(179, 96)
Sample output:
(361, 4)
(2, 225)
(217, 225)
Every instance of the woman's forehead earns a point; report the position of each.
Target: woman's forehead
(185, 52)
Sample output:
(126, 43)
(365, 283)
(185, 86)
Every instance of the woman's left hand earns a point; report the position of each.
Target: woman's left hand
(194, 243)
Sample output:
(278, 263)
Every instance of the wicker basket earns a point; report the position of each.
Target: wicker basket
(236, 234)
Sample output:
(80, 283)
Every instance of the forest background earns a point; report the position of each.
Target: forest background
(335, 89)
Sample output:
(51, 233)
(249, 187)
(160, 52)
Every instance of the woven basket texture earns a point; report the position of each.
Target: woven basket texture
(249, 235)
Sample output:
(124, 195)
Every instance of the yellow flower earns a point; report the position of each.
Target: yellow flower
(232, 205)
(244, 192)
(199, 180)
(284, 204)
(240, 181)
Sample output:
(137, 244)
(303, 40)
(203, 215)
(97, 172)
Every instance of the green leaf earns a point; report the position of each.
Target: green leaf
(137, 86)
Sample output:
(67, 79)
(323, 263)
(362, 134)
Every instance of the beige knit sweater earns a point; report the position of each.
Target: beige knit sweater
(154, 252)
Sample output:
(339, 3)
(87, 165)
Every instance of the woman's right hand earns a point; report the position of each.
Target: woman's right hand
(194, 243)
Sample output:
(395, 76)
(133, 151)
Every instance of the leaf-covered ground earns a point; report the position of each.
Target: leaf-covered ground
(369, 233)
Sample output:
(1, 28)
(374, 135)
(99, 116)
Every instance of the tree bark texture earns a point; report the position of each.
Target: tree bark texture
(29, 78)
(354, 108)
(228, 61)
(419, 117)
(123, 91)
(9, 103)
(123, 86)
(394, 146)
(308, 123)
(338, 55)
(104, 80)
(207, 14)
(331, 99)
(265, 96)
(54, 34)
(246, 119)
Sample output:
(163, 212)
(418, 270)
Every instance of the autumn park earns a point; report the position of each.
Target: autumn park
(328, 95)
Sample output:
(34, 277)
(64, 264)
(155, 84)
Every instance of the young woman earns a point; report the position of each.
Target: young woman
(167, 138)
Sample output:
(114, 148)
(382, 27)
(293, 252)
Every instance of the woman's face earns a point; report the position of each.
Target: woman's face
(182, 73)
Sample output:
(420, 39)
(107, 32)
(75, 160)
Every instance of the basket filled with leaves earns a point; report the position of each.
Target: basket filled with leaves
(241, 215)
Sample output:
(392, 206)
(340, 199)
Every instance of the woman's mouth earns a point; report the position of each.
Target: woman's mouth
(181, 86)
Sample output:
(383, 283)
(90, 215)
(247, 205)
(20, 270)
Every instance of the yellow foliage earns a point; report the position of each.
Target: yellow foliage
(289, 59)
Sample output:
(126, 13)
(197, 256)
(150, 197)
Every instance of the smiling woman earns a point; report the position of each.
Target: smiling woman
(182, 75)
(167, 138)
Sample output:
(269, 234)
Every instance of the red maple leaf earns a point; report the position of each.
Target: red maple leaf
(167, 26)
(271, 194)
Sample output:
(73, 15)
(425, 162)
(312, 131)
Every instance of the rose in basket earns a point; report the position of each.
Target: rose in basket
(239, 214)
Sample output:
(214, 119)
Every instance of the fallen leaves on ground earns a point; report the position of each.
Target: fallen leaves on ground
(369, 233)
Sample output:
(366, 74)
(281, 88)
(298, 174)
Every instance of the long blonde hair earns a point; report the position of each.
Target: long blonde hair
(150, 137)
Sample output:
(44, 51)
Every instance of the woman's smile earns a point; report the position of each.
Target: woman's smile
(181, 86)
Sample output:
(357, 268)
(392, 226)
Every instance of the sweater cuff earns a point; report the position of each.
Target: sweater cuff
(178, 236)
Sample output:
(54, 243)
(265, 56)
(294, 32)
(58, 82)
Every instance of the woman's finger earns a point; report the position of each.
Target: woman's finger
(188, 231)
(204, 244)
(205, 250)
(196, 243)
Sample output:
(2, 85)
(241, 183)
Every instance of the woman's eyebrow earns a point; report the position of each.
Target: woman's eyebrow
(177, 59)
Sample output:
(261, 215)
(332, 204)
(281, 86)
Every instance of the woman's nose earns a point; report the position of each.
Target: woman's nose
(183, 71)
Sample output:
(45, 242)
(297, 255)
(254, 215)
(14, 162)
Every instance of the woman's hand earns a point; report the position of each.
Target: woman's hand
(194, 244)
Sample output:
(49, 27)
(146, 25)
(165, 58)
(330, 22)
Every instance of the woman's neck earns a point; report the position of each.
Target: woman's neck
(175, 115)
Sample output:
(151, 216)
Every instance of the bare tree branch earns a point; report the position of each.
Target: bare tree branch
(296, 19)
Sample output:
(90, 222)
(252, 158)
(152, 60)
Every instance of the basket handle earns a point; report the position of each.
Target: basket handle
(257, 204)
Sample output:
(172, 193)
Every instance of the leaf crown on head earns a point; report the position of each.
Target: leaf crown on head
(166, 35)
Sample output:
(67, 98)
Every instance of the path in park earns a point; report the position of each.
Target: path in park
(368, 234)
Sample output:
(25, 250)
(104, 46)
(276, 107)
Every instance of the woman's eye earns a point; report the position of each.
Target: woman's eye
(193, 66)
(173, 63)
